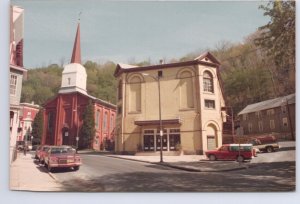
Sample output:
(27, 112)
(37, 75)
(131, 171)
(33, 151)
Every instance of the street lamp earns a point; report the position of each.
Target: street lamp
(157, 78)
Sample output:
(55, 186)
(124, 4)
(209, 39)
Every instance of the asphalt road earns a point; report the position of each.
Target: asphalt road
(271, 172)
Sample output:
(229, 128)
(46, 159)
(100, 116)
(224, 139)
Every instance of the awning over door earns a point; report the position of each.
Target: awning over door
(175, 121)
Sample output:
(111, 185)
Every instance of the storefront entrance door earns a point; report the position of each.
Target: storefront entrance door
(164, 142)
(148, 142)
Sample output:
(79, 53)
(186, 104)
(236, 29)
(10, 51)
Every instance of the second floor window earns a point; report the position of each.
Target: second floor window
(283, 109)
(13, 84)
(284, 122)
(111, 125)
(208, 82)
(210, 104)
(260, 126)
(270, 112)
(97, 118)
(272, 124)
(258, 114)
(105, 122)
(250, 127)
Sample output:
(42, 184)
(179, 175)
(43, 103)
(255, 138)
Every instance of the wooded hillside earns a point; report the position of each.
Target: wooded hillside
(260, 68)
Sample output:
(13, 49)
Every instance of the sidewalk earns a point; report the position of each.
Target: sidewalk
(27, 175)
(195, 163)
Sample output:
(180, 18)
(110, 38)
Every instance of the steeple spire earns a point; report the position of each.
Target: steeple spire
(76, 55)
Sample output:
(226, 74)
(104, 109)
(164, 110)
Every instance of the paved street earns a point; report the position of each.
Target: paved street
(268, 172)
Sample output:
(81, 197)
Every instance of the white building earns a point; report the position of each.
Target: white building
(17, 71)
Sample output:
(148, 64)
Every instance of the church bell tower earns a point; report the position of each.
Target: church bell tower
(74, 74)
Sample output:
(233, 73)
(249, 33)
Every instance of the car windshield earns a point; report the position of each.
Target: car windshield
(62, 150)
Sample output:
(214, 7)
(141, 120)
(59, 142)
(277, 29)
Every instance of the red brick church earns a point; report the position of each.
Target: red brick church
(63, 113)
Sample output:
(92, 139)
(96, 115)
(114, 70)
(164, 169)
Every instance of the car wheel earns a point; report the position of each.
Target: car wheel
(49, 168)
(240, 158)
(269, 149)
(76, 168)
(212, 157)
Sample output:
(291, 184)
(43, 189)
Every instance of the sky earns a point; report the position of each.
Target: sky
(131, 31)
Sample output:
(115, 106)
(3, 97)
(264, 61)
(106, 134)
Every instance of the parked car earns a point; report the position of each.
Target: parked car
(29, 146)
(265, 143)
(41, 152)
(62, 157)
(239, 152)
(20, 145)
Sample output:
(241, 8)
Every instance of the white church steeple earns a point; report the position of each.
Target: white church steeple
(74, 74)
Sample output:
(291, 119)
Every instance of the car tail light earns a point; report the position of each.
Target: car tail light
(77, 159)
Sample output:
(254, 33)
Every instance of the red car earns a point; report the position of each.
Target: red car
(62, 157)
(231, 152)
(41, 152)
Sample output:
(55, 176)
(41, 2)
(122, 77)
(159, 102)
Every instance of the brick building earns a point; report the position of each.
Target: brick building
(28, 112)
(63, 113)
(17, 72)
(275, 116)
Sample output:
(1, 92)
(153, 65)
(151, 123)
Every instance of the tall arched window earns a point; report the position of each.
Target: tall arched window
(186, 90)
(208, 83)
(135, 94)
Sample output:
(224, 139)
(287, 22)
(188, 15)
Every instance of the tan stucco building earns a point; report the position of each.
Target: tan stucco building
(191, 101)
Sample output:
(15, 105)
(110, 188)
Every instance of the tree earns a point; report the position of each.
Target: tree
(87, 130)
(278, 40)
(37, 128)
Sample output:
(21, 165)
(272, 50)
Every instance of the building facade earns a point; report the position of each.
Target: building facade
(276, 116)
(17, 72)
(191, 102)
(63, 114)
(28, 112)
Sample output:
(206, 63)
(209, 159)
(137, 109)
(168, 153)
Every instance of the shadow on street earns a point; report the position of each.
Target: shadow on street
(264, 177)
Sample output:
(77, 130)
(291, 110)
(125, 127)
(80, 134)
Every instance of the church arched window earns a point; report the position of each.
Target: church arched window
(208, 83)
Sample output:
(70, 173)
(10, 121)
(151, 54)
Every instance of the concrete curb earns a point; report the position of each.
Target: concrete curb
(190, 169)
(53, 177)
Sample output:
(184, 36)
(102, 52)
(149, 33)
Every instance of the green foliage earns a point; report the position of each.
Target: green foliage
(37, 128)
(101, 82)
(278, 39)
(44, 83)
(87, 130)
(260, 68)
(41, 84)
(245, 74)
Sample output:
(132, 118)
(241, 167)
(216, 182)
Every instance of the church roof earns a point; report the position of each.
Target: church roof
(76, 55)
(94, 99)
